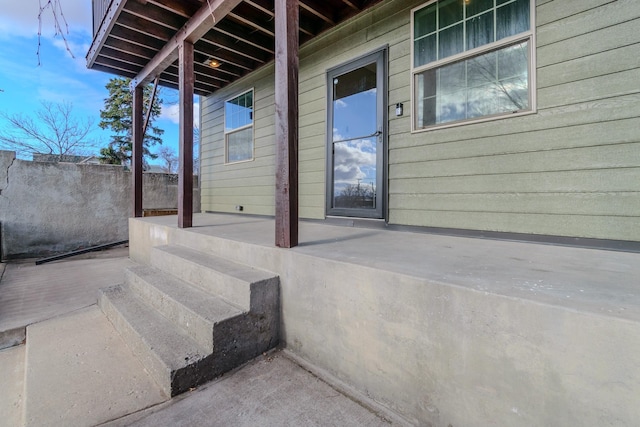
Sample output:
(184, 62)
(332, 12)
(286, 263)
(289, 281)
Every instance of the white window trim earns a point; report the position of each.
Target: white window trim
(253, 133)
(528, 35)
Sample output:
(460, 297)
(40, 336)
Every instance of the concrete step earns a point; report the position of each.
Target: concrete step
(174, 359)
(193, 309)
(237, 283)
(191, 316)
(79, 372)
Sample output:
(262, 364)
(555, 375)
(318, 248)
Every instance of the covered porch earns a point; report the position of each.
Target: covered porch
(200, 47)
(448, 329)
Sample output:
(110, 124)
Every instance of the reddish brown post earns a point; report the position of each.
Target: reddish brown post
(136, 152)
(286, 121)
(185, 170)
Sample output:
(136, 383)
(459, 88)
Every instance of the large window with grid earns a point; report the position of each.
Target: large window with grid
(472, 60)
(238, 128)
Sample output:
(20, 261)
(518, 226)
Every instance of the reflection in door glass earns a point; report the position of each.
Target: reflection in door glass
(354, 103)
(354, 138)
(354, 174)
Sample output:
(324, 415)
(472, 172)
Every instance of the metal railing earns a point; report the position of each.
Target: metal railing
(100, 8)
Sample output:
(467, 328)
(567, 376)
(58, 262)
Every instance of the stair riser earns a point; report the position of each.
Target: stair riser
(236, 291)
(199, 328)
(156, 368)
(259, 333)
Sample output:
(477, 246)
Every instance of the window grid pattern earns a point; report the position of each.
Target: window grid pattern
(450, 27)
(238, 128)
(494, 79)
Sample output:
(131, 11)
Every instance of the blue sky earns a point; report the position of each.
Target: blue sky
(59, 77)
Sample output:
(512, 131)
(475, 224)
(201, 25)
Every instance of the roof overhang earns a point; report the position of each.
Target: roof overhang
(139, 39)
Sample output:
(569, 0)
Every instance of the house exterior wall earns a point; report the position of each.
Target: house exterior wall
(572, 168)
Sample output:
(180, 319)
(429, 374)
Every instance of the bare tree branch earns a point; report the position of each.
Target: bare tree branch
(54, 131)
(170, 159)
(59, 21)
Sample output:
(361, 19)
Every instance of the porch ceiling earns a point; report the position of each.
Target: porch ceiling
(129, 33)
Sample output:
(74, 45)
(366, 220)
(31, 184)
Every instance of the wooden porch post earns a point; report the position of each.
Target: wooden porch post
(286, 121)
(136, 152)
(185, 170)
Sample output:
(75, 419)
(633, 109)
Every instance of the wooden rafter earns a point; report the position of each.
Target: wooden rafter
(133, 33)
(193, 30)
(318, 9)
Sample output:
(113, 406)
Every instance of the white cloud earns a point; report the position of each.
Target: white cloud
(172, 113)
(354, 160)
(340, 103)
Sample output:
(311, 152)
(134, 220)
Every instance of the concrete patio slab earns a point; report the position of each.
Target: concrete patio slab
(11, 385)
(31, 293)
(272, 390)
(81, 373)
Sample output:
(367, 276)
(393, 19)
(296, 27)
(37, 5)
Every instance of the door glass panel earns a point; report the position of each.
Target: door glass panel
(354, 174)
(354, 103)
(355, 138)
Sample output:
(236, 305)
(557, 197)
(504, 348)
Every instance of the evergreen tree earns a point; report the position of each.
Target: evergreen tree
(117, 116)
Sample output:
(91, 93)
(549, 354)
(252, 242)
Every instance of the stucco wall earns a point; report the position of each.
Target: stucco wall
(570, 169)
(50, 208)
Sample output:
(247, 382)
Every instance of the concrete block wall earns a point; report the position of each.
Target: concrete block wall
(48, 208)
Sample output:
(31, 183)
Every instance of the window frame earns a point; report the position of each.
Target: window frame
(526, 36)
(240, 128)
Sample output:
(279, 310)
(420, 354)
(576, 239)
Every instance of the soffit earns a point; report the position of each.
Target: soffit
(133, 31)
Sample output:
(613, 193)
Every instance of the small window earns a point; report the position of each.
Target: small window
(472, 59)
(238, 128)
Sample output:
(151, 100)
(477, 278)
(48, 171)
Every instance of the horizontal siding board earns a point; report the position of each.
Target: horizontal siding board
(265, 190)
(584, 158)
(621, 107)
(596, 227)
(600, 64)
(607, 86)
(589, 181)
(558, 10)
(607, 14)
(590, 134)
(608, 38)
(594, 204)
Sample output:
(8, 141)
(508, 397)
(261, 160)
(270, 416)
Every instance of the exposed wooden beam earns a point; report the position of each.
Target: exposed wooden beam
(351, 4)
(150, 107)
(137, 38)
(286, 122)
(185, 168)
(265, 7)
(144, 26)
(255, 25)
(235, 46)
(184, 8)
(124, 45)
(196, 27)
(238, 32)
(155, 14)
(136, 152)
(318, 9)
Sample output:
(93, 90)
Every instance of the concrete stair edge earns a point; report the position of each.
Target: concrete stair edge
(174, 359)
(195, 310)
(232, 281)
